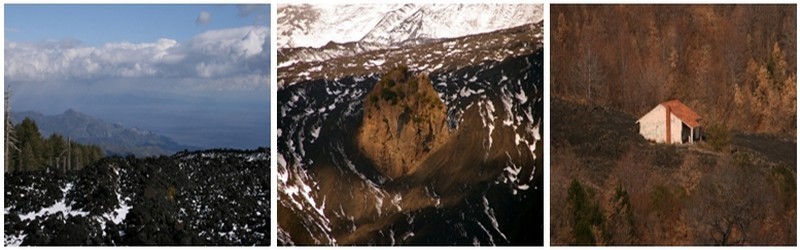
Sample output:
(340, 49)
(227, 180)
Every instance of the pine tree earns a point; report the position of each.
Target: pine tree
(27, 159)
(35, 152)
(30, 141)
(10, 136)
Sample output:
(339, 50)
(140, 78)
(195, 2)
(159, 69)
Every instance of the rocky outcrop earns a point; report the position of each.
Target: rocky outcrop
(403, 122)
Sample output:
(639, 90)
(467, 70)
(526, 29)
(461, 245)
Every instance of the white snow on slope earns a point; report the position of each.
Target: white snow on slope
(296, 185)
(60, 206)
(385, 24)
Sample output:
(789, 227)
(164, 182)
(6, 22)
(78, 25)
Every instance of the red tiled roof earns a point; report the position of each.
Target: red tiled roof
(684, 113)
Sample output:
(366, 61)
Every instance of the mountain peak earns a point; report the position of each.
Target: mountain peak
(74, 116)
(72, 112)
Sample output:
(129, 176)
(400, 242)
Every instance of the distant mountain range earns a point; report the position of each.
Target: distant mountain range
(113, 138)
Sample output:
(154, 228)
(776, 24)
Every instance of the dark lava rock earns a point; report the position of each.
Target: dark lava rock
(212, 197)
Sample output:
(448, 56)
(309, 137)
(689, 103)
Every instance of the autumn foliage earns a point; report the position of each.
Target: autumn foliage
(734, 64)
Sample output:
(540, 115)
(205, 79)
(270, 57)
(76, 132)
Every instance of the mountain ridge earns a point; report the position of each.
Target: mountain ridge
(113, 138)
(315, 26)
(342, 60)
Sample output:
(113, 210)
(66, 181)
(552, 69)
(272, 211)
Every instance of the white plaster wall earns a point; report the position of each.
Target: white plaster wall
(677, 125)
(652, 125)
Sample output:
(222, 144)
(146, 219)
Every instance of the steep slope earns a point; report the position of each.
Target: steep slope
(482, 186)
(213, 197)
(113, 138)
(393, 24)
(342, 60)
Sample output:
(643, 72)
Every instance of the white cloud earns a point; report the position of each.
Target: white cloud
(242, 42)
(203, 18)
(215, 56)
(211, 69)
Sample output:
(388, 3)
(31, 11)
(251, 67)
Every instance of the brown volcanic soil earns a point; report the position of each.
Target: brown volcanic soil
(596, 130)
(444, 55)
(775, 149)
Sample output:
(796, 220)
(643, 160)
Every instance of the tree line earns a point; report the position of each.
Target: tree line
(31, 151)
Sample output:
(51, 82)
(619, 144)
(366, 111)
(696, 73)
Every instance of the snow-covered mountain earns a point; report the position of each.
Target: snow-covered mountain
(478, 181)
(342, 60)
(383, 25)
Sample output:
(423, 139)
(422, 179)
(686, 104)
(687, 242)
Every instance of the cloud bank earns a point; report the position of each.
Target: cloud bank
(215, 59)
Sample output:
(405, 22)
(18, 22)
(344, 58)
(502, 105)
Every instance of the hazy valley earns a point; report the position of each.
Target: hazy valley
(114, 139)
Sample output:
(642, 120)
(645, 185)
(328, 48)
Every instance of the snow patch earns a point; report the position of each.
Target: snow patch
(60, 206)
(377, 62)
(490, 213)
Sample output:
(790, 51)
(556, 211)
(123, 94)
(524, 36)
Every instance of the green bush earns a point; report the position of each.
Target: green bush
(786, 183)
(585, 214)
(624, 219)
(373, 98)
(388, 95)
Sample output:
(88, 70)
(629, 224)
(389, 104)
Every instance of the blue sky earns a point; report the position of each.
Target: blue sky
(99, 24)
(196, 73)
